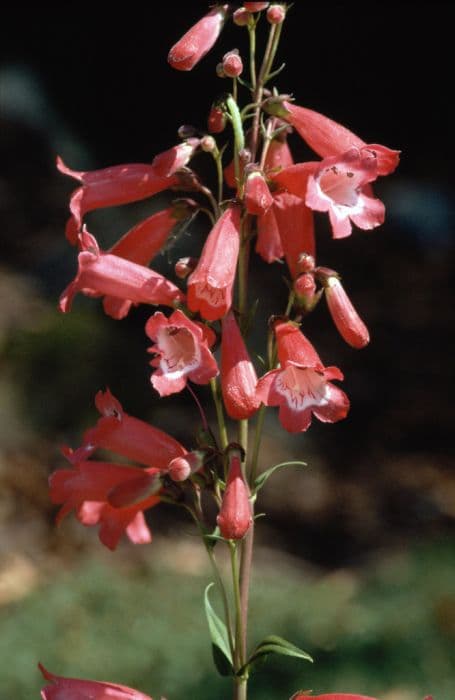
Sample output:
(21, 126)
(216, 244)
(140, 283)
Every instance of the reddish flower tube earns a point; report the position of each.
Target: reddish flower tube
(78, 689)
(235, 518)
(296, 226)
(350, 326)
(198, 40)
(238, 376)
(210, 285)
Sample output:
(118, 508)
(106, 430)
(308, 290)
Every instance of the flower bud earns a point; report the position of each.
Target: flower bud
(181, 468)
(255, 6)
(208, 144)
(276, 14)
(216, 121)
(185, 267)
(186, 131)
(232, 64)
(349, 324)
(257, 196)
(305, 262)
(242, 17)
(234, 518)
(198, 40)
(305, 290)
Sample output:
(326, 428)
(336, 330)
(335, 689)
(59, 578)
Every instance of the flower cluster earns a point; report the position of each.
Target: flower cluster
(200, 333)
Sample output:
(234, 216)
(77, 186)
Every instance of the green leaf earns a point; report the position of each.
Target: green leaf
(219, 635)
(262, 478)
(274, 645)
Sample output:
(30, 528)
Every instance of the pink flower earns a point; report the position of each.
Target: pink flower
(327, 138)
(301, 386)
(238, 376)
(167, 163)
(109, 187)
(279, 155)
(111, 495)
(102, 274)
(198, 40)
(350, 326)
(142, 243)
(78, 689)
(210, 285)
(255, 6)
(296, 226)
(235, 518)
(127, 436)
(257, 196)
(341, 187)
(182, 349)
(268, 242)
(216, 121)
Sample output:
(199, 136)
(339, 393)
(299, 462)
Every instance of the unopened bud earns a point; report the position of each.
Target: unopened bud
(234, 519)
(216, 121)
(186, 131)
(245, 156)
(257, 196)
(242, 17)
(208, 144)
(348, 322)
(185, 267)
(305, 290)
(305, 262)
(255, 6)
(232, 64)
(276, 14)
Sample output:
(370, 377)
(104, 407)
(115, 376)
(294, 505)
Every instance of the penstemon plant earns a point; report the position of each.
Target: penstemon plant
(261, 199)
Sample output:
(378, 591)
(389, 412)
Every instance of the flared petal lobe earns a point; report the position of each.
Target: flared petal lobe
(182, 349)
(198, 40)
(78, 689)
(238, 376)
(210, 286)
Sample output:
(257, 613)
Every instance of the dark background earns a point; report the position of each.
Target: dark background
(97, 90)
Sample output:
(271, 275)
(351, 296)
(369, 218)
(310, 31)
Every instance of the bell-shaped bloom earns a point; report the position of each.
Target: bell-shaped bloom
(303, 695)
(301, 386)
(167, 163)
(102, 274)
(198, 40)
(348, 322)
(328, 138)
(238, 376)
(211, 284)
(113, 496)
(256, 194)
(268, 242)
(234, 518)
(127, 436)
(142, 243)
(61, 688)
(110, 187)
(341, 187)
(182, 352)
(296, 226)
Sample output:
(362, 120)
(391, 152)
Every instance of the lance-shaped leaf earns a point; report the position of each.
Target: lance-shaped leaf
(274, 645)
(262, 478)
(221, 650)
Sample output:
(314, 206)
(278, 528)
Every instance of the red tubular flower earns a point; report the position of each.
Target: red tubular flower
(301, 386)
(78, 689)
(216, 121)
(279, 155)
(350, 326)
(238, 376)
(235, 518)
(268, 242)
(125, 435)
(210, 285)
(111, 495)
(167, 163)
(109, 187)
(294, 178)
(103, 273)
(198, 40)
(296, 226)
(182, 349)
(328, 138)
(257, 196)
(341, 187)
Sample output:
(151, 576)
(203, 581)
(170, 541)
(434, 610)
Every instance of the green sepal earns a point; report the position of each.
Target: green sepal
(219, 635)
(274, 645)
(262, 478)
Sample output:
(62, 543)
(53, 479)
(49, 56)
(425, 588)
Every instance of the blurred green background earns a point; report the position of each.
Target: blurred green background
(356, 560)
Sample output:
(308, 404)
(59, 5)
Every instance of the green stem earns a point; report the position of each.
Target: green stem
(239, 636)
(252, 36)
(239, 139)
(257, 443)
(219, 414)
